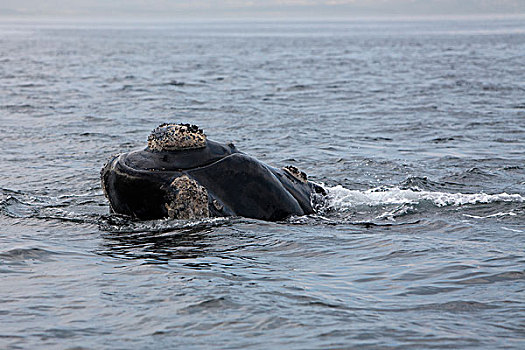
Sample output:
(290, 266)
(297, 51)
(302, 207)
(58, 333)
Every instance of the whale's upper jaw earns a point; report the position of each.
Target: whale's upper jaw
(175, 137)
(177, 147)
(178, 160)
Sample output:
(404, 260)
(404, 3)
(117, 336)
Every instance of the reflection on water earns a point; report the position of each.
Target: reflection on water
(183, 242)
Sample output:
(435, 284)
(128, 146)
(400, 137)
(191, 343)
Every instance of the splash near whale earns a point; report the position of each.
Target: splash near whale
(181, 174)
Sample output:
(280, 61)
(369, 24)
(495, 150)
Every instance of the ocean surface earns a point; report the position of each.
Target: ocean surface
(415, 127)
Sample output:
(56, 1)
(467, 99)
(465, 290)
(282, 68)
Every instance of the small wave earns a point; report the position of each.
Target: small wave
(493, 278)
(17, 107)
(16, 208)
(340, 198)
(68, 208)
(210, 304)
(498, 214)
(454, 306)
(24, 254)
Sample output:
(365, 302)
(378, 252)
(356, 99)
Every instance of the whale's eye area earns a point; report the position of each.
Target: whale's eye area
(174, 137)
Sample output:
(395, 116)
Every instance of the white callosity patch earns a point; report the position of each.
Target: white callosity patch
(187, 199)
(172, 137)
(340, 198)
(296, 173)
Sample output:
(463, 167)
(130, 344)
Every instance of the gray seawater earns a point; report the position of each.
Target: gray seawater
(417, 129)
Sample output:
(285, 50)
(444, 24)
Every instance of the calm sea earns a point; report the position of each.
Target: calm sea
(416, 127)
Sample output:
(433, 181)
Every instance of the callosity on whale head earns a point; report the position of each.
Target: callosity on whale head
(183, 175)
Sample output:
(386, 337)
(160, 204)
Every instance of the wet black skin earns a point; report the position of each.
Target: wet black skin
(237, 184)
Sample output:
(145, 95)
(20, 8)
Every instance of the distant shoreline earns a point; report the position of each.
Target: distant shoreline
(262, 20)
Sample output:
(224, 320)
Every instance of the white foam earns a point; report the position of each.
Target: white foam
(498, 214)
(340, 198)
(511, 229)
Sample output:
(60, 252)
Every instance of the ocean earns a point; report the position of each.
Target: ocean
(416, 128)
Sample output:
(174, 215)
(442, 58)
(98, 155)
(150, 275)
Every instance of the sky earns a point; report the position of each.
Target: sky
(194, 9)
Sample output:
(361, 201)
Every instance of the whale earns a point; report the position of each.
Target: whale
(181, 174)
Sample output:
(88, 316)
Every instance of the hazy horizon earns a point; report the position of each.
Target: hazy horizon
(269, 9)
